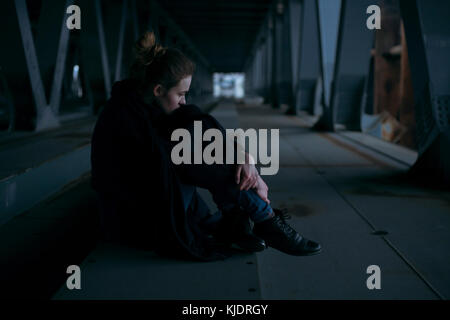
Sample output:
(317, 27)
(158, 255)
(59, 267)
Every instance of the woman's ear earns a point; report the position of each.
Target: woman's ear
(158, 90)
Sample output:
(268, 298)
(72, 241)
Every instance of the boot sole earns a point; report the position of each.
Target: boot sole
(236, 246)
(301, 254)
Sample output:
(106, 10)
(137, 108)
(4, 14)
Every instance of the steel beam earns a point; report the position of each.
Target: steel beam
(103, 50)
(45, 112)
(94, 57)
(31, 58)
(165, 18)
(120, 42)
(328, 13)
(352, 64)
(309, 58)
(15, 71)
(277, 57)
(295, 16)
(269, 60)
(427, 30)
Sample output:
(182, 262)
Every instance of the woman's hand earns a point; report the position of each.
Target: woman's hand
(246, 174)
(248, 178)
(262, 190)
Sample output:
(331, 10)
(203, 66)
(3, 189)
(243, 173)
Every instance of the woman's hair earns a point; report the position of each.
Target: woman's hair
(154, 64)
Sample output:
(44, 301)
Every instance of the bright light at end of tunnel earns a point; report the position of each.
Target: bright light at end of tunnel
(76, 69)
(229, 85)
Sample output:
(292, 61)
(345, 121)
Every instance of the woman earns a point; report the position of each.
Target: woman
(146, 199)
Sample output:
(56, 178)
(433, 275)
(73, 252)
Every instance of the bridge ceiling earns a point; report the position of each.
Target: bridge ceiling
(222, 30)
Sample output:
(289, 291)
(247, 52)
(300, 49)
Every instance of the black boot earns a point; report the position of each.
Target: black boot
(279, 235)
(235, 230)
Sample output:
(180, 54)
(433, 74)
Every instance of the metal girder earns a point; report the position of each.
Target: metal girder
(217, 14)
(205, 21)
(297, 28)
(352, 64)
(214, 17)
(268, 61)
(258, 70)
(108, 30)
(31, 57)
(309, 58)
(103, 51)
(295, 16)
(46, 40)
(328, 13)
(120, 42)
(15, 70)
(281, 69)
(164, 17)
(277, 58)
(427, 30)
(217, 5)
(118, 24)
(94, 55)
(123, 20)
(107, 47)
(45, 113)
(263, 88)
(217, 26)
(256, 79)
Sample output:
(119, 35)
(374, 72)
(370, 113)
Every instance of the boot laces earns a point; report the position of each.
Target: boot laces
(282, 213)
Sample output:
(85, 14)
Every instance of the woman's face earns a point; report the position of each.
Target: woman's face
(175, 97)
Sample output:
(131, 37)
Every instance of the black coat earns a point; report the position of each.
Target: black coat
(136, 181)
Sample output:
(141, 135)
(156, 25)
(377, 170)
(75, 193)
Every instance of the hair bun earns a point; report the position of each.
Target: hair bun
(147, 49)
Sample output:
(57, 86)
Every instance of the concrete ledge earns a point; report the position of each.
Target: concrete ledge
(114, 271)
(394, 151)
(37, 247)
(54, 158)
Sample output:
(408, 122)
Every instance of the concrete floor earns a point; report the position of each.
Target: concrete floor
(352, 199)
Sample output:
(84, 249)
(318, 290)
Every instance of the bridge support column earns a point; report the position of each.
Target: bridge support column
(355, 42)
(427, 30)
(328, 13)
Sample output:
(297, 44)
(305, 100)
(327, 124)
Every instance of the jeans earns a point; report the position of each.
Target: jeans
(249, 201)
(218, 179)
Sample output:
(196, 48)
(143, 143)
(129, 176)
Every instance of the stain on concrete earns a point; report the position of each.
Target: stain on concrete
(297, 209)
